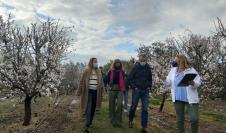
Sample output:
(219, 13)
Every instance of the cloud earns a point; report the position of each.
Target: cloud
(109, 29)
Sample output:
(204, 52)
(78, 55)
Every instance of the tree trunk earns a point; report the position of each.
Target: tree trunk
(163, 101)
(27, 110)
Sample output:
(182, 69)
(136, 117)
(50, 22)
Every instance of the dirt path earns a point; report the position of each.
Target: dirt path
(65, 118)
(62, 118)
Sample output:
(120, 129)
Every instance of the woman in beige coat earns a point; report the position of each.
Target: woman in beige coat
(90, 88)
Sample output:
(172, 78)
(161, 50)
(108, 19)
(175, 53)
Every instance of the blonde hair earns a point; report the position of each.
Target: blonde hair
(183, 60)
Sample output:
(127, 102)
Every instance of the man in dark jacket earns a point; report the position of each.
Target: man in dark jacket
(140, 79)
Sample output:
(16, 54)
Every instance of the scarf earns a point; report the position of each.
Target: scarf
(121, 80)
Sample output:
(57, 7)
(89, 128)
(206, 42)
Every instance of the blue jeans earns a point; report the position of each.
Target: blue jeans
(125, 97)
(144, 96)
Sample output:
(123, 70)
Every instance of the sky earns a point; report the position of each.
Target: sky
(109, 29)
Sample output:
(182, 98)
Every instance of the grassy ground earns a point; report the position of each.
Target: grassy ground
(211, 115)
(12, 113)
(8, 105)
(66, 118)
(209, 112)
(102, 123)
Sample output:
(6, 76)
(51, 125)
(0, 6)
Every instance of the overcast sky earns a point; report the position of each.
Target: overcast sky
(109, 29)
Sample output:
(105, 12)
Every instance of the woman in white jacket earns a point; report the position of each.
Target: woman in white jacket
(184, 96)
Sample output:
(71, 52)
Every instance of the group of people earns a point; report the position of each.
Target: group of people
(139, 80)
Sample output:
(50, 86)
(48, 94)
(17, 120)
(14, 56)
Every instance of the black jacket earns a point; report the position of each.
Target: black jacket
(140, 76)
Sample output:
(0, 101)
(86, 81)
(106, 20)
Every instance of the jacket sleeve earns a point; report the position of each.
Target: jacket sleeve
(126, 84)
(108, 77)
(197, 81)
(150, 78)
(131, 76)
(105, 79)
(81, 84)
(167, 82)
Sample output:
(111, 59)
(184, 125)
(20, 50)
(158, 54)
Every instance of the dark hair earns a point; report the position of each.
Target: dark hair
(115, 62)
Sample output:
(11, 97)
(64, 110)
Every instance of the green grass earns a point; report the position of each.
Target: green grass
(155, 101)
(207, 113)
(101, 122)
(213, 117)
(8, 105)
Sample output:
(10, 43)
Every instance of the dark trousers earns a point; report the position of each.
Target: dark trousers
(144, 96)
(193, 114)
(91, 106)
(115, 105)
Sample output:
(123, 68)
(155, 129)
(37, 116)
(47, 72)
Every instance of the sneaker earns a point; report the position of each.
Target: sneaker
(118, 125)
(130, 124)
(87, 130)
(125, 110)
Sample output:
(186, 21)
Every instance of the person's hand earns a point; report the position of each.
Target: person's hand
(149, 94)
(135, 88)
(191, 83)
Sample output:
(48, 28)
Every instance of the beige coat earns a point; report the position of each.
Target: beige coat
(83, 90)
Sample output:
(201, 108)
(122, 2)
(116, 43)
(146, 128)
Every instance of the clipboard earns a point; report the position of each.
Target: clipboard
(185, 81)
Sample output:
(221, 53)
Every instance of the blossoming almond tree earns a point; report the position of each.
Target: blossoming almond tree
(206, 54)
(221, 69)
(31, 58)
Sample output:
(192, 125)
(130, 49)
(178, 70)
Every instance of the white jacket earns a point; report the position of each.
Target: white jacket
(192, 91)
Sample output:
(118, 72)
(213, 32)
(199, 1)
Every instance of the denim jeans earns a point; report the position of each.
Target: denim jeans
(91, 107)
(144, 96)
(125, 97)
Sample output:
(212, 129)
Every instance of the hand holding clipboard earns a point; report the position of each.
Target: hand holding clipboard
(187, 79)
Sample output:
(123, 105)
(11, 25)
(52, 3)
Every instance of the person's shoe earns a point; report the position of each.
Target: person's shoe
(125, 110)
(114, 125)
(130, 124)
(87, 130)
(119, 125)
(144, 130)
